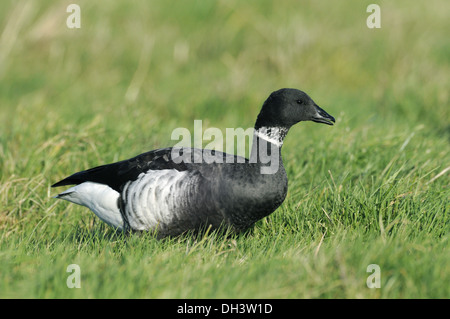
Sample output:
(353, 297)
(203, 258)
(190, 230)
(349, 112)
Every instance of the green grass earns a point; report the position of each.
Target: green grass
(373, 189)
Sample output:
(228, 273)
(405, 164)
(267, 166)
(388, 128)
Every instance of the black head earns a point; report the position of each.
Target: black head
(286, 107)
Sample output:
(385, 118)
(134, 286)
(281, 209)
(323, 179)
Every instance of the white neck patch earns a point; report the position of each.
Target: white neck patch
(274, 135)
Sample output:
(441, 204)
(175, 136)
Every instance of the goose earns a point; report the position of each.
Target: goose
(169, 191)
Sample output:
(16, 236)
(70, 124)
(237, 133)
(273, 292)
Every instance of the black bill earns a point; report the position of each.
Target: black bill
(323, 117)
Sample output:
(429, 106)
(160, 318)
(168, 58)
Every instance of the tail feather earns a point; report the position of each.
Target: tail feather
(109, 174)
(67, 181)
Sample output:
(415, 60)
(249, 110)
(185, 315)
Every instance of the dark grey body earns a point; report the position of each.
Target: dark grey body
(216, 194)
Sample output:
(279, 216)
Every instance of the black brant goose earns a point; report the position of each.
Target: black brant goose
(170, 191)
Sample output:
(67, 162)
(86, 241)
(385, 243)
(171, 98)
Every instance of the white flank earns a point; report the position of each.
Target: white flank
(99, 198)
(152, 199)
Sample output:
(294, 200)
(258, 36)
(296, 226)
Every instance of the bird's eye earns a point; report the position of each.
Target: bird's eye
(300, 102)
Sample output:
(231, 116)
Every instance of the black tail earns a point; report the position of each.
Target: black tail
(91, 175)
(113, 175)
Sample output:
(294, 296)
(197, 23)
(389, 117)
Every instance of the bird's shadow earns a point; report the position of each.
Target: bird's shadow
(102, 234)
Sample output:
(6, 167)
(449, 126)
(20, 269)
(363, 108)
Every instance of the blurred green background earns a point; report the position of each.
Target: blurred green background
(220, 59)
(71, 99)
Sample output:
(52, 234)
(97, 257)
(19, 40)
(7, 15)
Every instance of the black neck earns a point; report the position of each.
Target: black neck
(266, 149)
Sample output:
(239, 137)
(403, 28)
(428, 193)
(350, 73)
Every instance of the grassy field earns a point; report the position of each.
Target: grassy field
(373, 189)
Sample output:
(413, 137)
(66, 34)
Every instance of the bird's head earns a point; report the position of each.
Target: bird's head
(286, 107)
